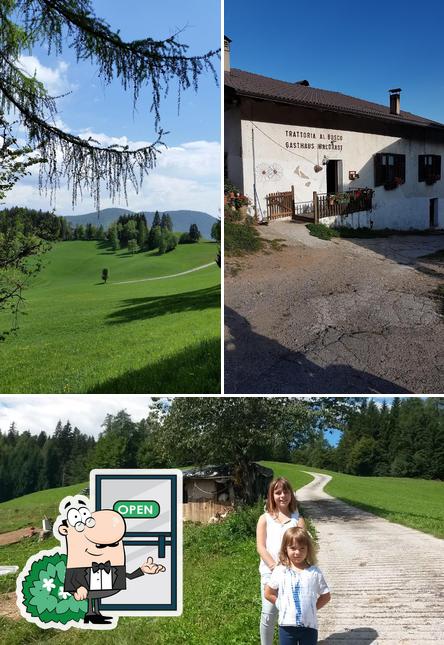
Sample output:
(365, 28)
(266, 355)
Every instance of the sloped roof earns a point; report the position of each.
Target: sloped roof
(254, 85)
(222, 471)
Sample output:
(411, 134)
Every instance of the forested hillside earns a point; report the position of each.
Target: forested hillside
(405, 439)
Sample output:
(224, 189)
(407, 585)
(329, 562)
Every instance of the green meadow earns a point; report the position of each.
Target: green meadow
(30, 509)
(221, 581)
(417, 503)
(80, 335)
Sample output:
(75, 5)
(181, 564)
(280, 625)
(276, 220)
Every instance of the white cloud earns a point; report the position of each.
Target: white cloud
(55, 79)
(42, 412)
(186, 177)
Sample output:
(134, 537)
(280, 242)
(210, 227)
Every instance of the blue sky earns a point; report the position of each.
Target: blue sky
(188, 172)
(360, 49)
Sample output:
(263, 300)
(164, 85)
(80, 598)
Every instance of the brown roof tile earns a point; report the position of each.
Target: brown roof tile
(248, 84)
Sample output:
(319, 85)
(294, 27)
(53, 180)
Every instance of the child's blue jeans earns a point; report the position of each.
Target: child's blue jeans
(292, 635)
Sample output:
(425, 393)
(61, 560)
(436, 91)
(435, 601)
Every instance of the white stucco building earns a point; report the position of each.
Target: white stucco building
(280, 134)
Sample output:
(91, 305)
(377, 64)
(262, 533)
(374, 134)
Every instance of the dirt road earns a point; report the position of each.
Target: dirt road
(386, 580)
(345, 316)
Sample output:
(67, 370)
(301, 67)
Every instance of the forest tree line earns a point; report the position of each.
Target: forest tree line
(405, 439)
(129, 231)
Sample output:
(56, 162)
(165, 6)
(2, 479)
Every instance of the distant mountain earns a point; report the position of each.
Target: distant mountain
(182, 220)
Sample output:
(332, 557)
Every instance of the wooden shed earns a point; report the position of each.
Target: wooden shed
(212, 491)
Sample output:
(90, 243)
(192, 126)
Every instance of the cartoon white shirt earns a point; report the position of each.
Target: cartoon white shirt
(100, 578)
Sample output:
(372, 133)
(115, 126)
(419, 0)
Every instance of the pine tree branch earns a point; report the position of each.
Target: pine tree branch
(135, 63)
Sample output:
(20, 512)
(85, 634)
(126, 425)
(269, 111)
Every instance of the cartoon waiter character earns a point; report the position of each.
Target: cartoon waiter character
(95, 566)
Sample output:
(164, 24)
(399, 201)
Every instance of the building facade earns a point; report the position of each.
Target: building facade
(280, 135)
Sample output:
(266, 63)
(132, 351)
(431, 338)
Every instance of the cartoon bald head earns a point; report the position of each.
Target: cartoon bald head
(92, 537)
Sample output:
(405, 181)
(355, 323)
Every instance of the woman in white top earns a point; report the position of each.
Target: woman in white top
(281, 514)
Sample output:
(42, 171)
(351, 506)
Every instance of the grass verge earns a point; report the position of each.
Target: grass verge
(221, 593)
(416, 503)
(240, 239)
(30, 509)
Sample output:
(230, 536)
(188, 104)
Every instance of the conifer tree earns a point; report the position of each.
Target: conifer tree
(142, 232)
(166, 222)
(156, 220)
(136, 64)
(154, 237)
(194, 233)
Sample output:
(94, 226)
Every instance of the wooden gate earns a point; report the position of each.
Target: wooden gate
(280, 205)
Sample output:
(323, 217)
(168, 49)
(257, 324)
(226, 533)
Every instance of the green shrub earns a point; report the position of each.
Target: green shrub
(185, 239)
(241, 239)
(322, 231)
(218, 538)
(168, 241)
(231, 214)
(43, 594)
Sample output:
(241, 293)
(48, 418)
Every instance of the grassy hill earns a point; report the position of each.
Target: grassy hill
(221, 580)
(30, 509)
(416, 503)
(79, 335)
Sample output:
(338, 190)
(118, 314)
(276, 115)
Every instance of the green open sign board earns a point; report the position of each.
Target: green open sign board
(146, 509)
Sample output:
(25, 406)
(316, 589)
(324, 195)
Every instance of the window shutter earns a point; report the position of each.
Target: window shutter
(438, 166)
(400, 167)
(379, 171)
(421, 168)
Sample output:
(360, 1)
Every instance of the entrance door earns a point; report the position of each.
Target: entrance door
(332, 176)
(433, 213)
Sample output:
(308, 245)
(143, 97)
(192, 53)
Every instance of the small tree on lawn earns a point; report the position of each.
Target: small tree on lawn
(114, 237)
(133, 247)
(195, 234)
(105, 275)
(154, 237)
(168, 241)
(142, 232)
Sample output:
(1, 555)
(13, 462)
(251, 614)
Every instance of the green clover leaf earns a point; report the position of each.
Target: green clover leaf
(51, 570)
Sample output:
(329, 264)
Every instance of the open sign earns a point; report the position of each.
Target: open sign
(132, 509)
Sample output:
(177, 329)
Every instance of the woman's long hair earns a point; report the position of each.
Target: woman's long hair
(270, 505)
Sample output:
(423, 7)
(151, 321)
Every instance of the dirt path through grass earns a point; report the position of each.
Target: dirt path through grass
(385, 579)
(15, 536)
(162, 277)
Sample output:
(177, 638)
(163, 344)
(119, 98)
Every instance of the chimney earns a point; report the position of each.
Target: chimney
(395, 101)
(227, 42)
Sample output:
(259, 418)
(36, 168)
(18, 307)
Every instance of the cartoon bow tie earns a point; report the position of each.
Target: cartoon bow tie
(104, 567)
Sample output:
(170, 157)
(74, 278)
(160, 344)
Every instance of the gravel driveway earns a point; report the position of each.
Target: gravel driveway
(386, 579)
(344, 316)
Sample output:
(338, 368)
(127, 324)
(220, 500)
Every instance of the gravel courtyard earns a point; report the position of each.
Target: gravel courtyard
(340, 316)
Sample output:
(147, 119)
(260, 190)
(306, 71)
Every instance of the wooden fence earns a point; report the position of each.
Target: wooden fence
(334, 205)
(202, 511)
(280, 205)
